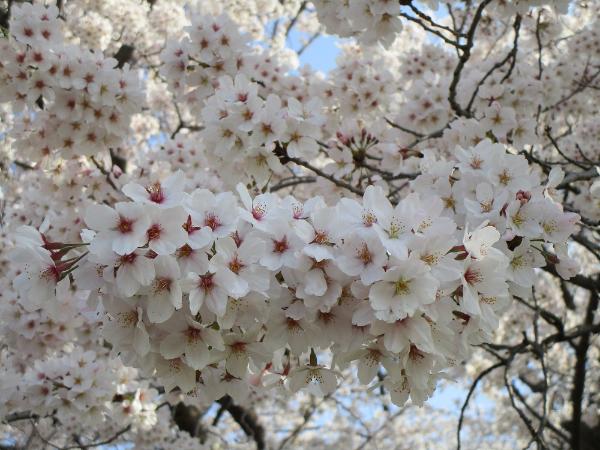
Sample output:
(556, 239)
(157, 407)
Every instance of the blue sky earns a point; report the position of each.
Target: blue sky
(320, 54)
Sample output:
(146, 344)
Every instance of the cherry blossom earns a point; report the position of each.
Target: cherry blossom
(191, 215)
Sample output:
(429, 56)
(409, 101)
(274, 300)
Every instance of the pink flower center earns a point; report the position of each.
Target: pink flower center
(206, 282)
(523, 196)
(162, 284)
(364, 255)
(293, 326)
(320, 238)
(155, 193)
(280, 246)
(125, 225)
(369, 218)
(185, 251)
(258, 212)
(415, 354)
(128, 259)
(154, 232)
(476, 162)
(193, 334)
(212, 221)
(473, 276)
(188, 226)
(236, 265)
(50, 274)
(298, 211)
(238, 347)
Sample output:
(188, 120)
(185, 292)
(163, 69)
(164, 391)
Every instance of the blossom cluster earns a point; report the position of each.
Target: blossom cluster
(34, 331)
(70, 101)
(242, 128)
(220, 295)
(371, 21)
(94, 24)
(212, 47)
(142, 260)
(379, 21)
(75, 384)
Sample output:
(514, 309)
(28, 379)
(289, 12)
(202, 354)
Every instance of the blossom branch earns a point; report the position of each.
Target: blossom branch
(281, 153)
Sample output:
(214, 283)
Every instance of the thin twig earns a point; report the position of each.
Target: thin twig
(476, 381)
(512, 55)
(295, 18)
(105, 172)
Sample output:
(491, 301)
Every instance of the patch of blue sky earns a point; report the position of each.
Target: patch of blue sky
(320, 55)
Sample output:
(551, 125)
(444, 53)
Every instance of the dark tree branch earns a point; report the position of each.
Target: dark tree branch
(585, 82)
(295, 18)
(187, 418)
(104, 172)
(308, 43)
(118, 161)
(427, 28)
(430, 21)
(247, 420)
(124, 55)
(463, 409)
(80, 445)
(281, 152)
(588, 174)
(292, 181)
(401, 128)
(5, 15)
(466, 54)
(538, 39)
(308, 413)
(578, 280)
(548, 132)
(581, 350)
(534, 413)
(511, 56)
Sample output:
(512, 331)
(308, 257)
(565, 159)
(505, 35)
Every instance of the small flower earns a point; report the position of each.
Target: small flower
(404, 287)
(318, 379)
(121, 230)
(162, 194)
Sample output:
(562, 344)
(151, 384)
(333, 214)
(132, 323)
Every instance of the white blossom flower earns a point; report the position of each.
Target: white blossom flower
(405, 286)
(121, 230)
(193, 342)
(162, 194)
(323, 381)
(364, 257)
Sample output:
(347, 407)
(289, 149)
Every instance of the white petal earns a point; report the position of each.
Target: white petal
(101, 217)
(237, 364)
(159, 308)
(172, 346)
(197, 355)
(141, 341)
(298, 380)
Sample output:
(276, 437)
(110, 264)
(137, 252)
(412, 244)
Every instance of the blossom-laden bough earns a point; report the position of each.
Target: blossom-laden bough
(190, 220)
